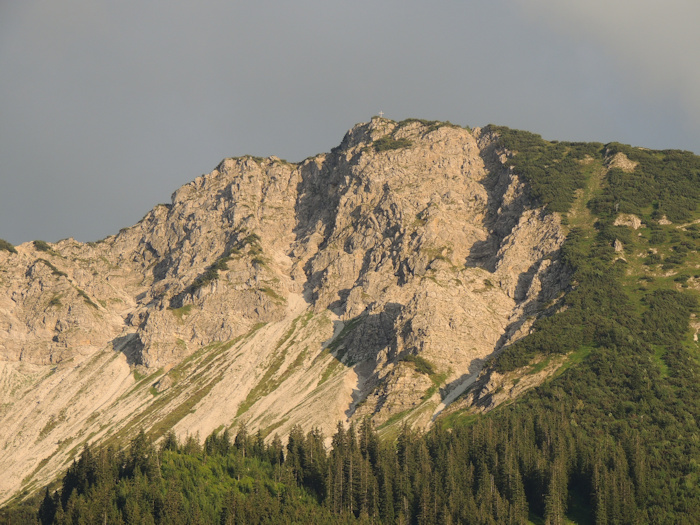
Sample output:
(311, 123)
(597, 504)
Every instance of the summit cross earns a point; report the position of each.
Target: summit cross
(381, 114)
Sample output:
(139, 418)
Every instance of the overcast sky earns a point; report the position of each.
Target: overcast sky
(107, 107)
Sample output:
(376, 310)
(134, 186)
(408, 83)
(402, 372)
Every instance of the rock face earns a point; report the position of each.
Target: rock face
(370, 281)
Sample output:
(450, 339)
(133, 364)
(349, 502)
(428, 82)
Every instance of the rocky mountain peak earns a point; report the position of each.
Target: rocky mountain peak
(373, 280)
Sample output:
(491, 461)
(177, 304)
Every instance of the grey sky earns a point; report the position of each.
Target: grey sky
(107, 107)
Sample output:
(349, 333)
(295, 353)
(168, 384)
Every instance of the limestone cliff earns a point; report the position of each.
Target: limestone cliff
(373, 280)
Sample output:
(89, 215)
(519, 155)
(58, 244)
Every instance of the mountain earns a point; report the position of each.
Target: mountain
(417, 272)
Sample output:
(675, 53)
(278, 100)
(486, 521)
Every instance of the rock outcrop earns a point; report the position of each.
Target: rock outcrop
(373, 280)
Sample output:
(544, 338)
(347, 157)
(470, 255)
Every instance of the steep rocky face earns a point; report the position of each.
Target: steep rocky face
(372, 280)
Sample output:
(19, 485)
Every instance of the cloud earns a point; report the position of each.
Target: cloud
(99, 99)
(655, 45)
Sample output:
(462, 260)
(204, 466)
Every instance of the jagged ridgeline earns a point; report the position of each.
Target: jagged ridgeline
(507, 324)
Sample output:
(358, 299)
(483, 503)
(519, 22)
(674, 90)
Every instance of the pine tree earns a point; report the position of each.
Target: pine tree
(242, 440)
(170, 442)
(47, 509)
(296, 453)
(314, 463)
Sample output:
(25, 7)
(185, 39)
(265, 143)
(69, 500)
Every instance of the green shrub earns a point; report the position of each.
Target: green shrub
(55, 271)
(657, 237)
(667, 317)
(388, 143)
(209, 275)
(552, 169)
(42, 246)
(252, 240)
(431, 125)
(87, 299)
(55, 301)
(4, 245)
(421, 364)
(667, 181)
(652, 259)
